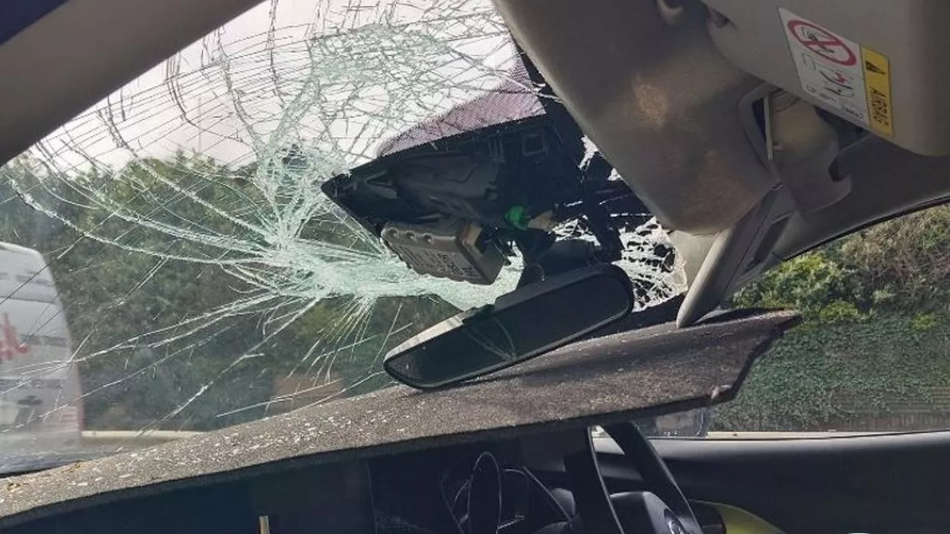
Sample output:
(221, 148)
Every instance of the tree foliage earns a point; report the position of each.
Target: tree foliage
(126, 308)
(875, 303)
(904, 263)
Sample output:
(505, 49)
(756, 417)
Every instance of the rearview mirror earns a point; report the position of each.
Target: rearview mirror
(520, 325)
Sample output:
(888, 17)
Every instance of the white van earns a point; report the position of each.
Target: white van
(40, 405)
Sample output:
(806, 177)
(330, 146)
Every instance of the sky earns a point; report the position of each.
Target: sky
(230, 90)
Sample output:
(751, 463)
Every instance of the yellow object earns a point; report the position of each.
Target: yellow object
(877, 83)
(738, 521)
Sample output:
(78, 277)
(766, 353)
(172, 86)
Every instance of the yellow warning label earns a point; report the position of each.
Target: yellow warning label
(877, 83)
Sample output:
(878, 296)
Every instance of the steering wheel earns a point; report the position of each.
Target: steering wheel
(664, 510)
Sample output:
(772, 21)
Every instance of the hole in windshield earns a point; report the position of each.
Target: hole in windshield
(169, 262)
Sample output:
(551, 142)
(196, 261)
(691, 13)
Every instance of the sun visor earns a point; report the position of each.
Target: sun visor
(656, 97)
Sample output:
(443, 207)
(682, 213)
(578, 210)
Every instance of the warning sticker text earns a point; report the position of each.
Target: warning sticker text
(877, 79)
(836, 71)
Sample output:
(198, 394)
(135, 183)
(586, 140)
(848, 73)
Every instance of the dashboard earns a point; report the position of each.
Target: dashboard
(406, 462)
(419, 492)
(502, 487)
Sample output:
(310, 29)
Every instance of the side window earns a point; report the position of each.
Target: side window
(873, 352)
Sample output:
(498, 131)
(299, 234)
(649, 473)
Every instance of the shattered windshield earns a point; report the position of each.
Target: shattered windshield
(169, 263)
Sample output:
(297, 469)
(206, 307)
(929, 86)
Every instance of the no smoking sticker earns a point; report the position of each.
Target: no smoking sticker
(840, 72)
(822, 43)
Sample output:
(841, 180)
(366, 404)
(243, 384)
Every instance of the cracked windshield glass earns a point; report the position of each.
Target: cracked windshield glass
(186, 255)
(170, 263)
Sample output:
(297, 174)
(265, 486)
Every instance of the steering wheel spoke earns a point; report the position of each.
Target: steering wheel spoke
(663, 510)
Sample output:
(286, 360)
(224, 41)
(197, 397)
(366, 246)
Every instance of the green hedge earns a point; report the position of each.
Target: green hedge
(822, 374)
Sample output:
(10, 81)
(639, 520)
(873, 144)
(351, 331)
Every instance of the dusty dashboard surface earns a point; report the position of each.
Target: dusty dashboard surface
(608, 379)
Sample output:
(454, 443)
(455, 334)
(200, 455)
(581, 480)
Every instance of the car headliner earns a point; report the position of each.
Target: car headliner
(16, 15)
(79, 52)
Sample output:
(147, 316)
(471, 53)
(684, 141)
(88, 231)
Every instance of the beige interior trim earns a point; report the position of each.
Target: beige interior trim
(886, 180)
(83, 50)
